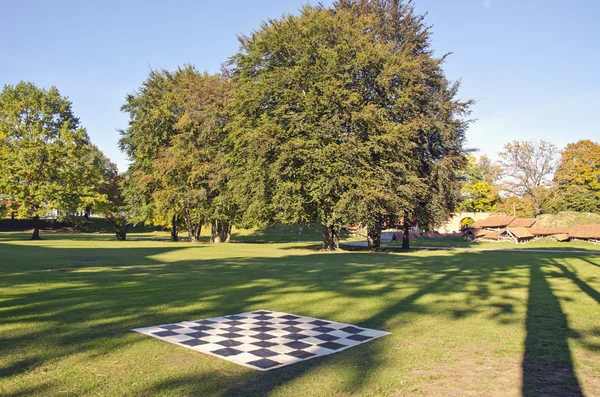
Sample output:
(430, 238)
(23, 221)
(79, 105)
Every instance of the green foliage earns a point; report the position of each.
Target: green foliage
(48, 160)
(153, 112)
(113, 205)
(580, 165)
(467, 222)
(578, 198)
(521, 207)
(578, 176)
(175, 141)
(340, 116)
(479, 194)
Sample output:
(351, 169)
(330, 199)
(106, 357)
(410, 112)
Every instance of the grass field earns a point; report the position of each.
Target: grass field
(460, 242)
(462, 323)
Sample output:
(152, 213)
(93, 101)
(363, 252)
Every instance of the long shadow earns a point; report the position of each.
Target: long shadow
(585, 287)
(87, 300)
(547, 364)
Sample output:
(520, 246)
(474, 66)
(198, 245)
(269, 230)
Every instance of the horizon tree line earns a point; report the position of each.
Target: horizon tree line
(337, 115)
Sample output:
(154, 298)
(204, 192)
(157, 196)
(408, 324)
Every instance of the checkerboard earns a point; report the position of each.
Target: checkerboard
(263, 339)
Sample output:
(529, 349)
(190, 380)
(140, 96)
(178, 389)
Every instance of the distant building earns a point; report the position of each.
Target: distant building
(519, 230)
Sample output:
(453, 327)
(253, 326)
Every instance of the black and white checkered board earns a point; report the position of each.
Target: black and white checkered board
(262, 339)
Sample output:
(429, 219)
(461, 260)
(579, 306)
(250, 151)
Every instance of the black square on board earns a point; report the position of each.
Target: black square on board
(263, 363)
(231, 335)
(194, 342)
(263, 317)
(323, 329)
(264, 353)
(297, 345)
(198, 334)
(165, 333)
(352, 330)
(202, 328)
(300, 354)
(171, 326)
(262, 329)
(263, 336)
(295, 336)
(292, 329)
(359, 338)
(326, 337)
(289, 317)
(331, 345)
(226, 352)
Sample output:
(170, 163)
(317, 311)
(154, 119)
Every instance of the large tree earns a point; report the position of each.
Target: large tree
(578, 176)
(153, 112)
(343, 114)
(113, 205)
(528, 168)
(47, 158)
(175, 139)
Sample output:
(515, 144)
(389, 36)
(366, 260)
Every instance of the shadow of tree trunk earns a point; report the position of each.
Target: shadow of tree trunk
(547, 364)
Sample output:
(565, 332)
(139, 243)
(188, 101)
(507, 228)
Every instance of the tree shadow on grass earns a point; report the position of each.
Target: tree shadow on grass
(547, 364)
(90, 308)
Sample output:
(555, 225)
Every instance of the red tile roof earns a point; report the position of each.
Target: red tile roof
(522, 222)
(494, 221)
(520, 232)
(586, 232)
(562, 237)
(549, 231)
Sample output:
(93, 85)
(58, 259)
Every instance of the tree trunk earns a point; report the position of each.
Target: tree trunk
(121, 231)
(331, 237)
(374, 236)
(220, 232)
(214, 233)
(194, 228)
(36, 228)
(174, 231)
(406, 234)
(228, 234)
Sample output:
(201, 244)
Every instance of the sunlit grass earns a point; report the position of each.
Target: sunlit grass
(461, 322)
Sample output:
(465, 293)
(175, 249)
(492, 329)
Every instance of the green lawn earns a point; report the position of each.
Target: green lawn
(462, 323)
(460, 242)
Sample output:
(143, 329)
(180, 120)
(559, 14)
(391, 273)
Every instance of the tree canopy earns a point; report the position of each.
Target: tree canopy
(528, 169)
(175, 140)
(343, 114)
(479, 192)
(578, 176)
(47, 159)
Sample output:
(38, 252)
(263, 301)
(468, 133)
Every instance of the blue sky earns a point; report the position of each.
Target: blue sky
(531, 65)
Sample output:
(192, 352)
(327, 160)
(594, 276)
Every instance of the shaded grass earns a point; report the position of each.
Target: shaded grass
(67, 305)
(270, 234)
